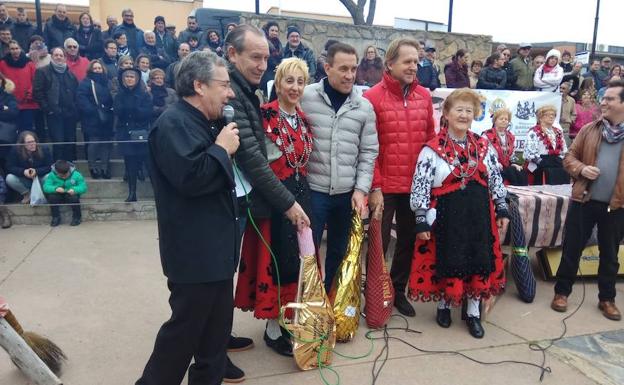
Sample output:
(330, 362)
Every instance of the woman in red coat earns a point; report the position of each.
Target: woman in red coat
(503, 141)
(289, 144)
(17, 67)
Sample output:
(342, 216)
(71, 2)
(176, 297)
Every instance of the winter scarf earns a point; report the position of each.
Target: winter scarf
(159, 93)
(59, 68)
(19, 63)
(612, 134)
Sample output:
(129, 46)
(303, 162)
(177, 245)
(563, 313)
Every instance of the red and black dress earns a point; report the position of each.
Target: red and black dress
(504, 144)
(289, 144)
(462, 182)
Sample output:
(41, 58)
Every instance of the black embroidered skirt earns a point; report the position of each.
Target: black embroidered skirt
(464, 241)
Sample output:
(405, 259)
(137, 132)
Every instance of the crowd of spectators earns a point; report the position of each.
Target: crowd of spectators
(116, 82)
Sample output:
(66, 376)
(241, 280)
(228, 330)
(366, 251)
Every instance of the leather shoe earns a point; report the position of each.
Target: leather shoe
(474, 327)
(403, 306)
(281, 345)
(233, 374)
(609, 310)
(239, 344)
(559, 303)
(443, 318)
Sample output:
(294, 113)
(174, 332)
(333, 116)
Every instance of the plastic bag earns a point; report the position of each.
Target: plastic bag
(36, 193)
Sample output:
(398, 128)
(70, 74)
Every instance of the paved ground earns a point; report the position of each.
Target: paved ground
(98, 291)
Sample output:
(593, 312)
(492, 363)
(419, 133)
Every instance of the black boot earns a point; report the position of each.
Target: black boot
(140, 174)
(5, 218)
(105, 174)
(95, 173)
(132, 182)
(443, 317)
(56, 216)
(76, 216)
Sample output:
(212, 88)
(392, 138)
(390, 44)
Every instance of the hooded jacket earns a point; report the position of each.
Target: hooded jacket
(75, 182)
(22, 73)
(549, 81)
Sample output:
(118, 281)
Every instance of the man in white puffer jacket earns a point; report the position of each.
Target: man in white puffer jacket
(549, 75)
(345, 146)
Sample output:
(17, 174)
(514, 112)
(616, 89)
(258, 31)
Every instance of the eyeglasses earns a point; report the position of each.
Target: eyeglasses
(226, 83)
(72, 46)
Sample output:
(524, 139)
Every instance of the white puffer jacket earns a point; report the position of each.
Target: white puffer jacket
(345, 143)
(549, 81)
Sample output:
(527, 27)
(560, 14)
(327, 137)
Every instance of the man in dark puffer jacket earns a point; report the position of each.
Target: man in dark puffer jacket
(267, 191)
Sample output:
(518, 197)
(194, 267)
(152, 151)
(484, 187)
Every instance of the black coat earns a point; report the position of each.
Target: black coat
(22, 32)
(133, 111)
(90, 43)
(88, 108)
(168, 43)
(268, 192)
(47, 87)
(158, 56)
(193, 183)
(56, 32)
(492, 78)
(16, 164)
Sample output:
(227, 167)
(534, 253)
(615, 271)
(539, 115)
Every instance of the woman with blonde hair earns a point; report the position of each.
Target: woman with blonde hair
(504, 142)
(289, 143)
(545, 148)
(458, 197)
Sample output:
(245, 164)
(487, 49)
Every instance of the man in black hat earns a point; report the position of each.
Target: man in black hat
(295, 48)
(164, 38)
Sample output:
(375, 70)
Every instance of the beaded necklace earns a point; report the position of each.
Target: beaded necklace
(466, 168)
(285, 141)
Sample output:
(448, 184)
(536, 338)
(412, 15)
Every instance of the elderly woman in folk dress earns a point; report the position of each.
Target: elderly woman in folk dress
(458, 256)
(289, 143)
(503, 142)
(545, 148)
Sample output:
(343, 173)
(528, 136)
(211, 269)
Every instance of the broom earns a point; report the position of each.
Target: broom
(48, 351)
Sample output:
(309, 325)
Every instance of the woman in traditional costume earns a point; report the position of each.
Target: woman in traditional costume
(289, 144)
(458, 197)
(503, 142)
(545, 148)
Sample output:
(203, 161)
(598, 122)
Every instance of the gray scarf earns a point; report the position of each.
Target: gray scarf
(60, 68)
(612, 134)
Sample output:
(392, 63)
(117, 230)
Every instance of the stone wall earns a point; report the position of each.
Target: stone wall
(316, 32)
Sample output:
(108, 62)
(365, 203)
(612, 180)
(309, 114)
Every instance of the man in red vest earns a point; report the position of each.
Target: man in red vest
(404, 124)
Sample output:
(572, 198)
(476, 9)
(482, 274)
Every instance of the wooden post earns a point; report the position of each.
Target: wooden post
(23, 356)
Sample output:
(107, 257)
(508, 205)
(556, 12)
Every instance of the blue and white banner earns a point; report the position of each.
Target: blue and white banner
(522, 105)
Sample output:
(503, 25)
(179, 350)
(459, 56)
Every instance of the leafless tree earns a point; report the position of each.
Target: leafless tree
(357, 11)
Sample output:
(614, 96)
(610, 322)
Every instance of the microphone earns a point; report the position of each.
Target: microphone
(228, 114)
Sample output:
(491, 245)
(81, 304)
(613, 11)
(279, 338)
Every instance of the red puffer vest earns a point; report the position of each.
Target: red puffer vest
(404, 125)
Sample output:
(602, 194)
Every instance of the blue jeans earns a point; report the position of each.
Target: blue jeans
(335, 212)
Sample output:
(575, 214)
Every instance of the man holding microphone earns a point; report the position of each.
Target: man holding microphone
(198, 224)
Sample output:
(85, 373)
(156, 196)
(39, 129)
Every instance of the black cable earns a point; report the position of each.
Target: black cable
(387, 337)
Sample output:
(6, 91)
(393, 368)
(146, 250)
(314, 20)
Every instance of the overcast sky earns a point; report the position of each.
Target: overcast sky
(508, 21)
